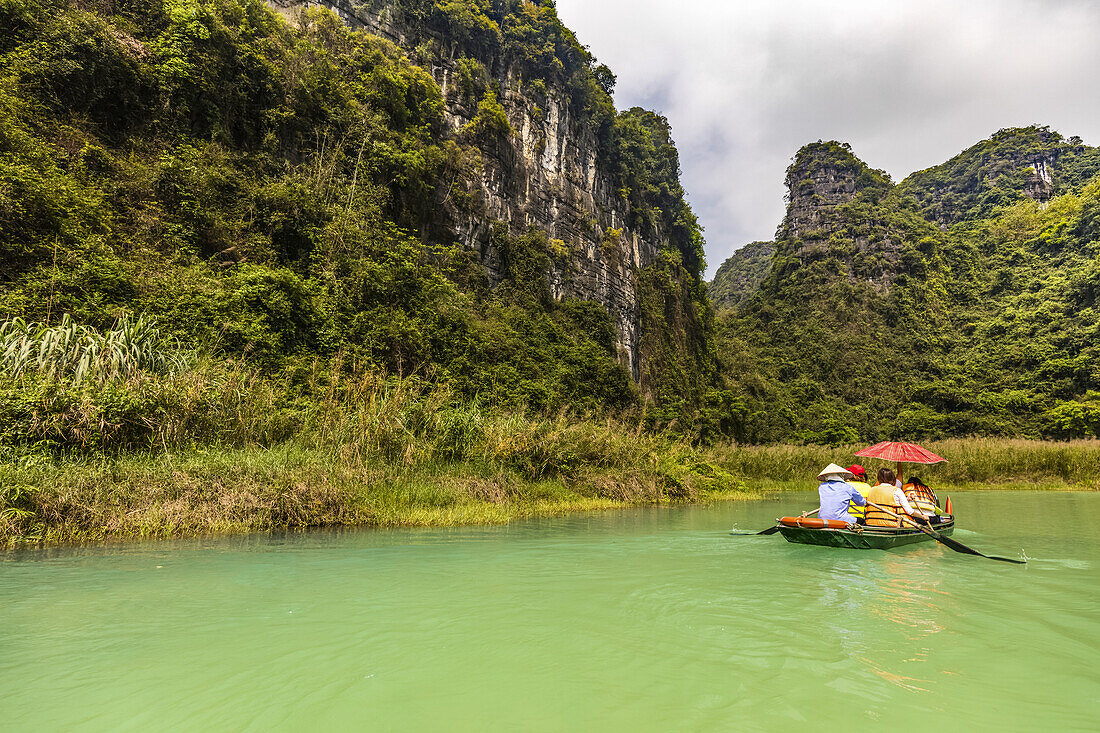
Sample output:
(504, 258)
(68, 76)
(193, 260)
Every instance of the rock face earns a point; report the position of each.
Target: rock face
(546, 174)
(846, 219)
(835, 212)
(1038, 184)
(820, 179)
(823, 177)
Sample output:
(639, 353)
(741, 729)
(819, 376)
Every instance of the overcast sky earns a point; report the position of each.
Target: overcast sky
(909, 83)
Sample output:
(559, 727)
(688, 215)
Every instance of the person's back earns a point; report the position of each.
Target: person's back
(893, 502)
(836, 494)
(883, 495)
(859, 483)
(921, 496)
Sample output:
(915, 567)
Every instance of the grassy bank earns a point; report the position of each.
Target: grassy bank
(144, 440)
(102, 438)
(520, 467)
(972, 463)
(234, 490)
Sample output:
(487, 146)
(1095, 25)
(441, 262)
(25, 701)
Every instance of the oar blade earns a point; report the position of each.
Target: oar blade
(955, 544)
(945, 541)
(960, 547)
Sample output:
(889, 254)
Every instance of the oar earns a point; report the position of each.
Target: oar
(770, 530)
(947, 541)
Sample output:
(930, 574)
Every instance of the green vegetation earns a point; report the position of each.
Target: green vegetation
(227, 238)
(232, 297)
(647, 167)
(275, 193)
(740, 275)
(974, 463)
(878, 324)
(219, 448)
(997, 172)
(70, 352)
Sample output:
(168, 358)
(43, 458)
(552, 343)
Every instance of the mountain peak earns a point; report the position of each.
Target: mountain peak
(1015, 163)
(824, 175)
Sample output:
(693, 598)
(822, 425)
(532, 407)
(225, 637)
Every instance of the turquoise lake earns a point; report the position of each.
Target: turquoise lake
(647, 619)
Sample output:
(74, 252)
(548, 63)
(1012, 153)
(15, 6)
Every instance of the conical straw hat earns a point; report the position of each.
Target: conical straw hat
(832, 468)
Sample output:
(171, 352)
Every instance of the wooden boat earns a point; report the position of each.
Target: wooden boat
(833, 533)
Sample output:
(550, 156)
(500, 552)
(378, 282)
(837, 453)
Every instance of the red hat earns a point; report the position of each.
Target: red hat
(857, 470)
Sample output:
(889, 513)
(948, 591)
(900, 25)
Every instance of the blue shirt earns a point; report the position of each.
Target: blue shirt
(834, 500)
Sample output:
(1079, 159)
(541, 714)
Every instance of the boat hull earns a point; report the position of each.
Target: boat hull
(871, 538)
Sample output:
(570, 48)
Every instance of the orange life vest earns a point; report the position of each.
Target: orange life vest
(922, 498)
(883, 495)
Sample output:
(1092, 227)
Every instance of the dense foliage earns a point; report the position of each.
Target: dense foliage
(271, 192)
(740, 276)
(998, 171)
(879, 324)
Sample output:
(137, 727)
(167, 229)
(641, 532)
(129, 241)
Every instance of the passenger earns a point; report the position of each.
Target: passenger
(921, 496)
(889, 496)
(859, 483)
(836, 495)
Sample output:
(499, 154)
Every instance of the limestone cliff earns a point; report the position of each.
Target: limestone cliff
(544, 170)
(955, 303)
(845, 216)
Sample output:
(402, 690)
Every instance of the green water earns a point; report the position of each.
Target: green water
(650, 619)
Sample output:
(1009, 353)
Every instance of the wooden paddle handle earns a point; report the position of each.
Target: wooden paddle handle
(815, 511)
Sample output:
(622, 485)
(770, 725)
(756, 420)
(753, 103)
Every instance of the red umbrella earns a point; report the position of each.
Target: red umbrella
(889, 450)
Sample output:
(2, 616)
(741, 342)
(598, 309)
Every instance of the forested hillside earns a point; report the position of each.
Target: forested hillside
(267, 206)
(740, 276)
(289, 197)
(961, 301)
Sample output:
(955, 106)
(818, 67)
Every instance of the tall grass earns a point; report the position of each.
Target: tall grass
(1006, 461)
(125, 440)
(995, 462)
(295, 486)
(72, 352)
(218, 448)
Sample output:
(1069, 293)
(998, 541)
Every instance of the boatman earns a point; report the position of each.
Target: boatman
(836, 494)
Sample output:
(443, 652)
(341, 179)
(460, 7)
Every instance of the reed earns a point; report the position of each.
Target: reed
(131, 440)
(1008, 462)
(521, 466)
(293, 487)
(218, 448)
(1002, 463)
(74, 353)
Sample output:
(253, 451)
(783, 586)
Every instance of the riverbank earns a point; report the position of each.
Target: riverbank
(290, 487)
(547, 468)
(220, 449)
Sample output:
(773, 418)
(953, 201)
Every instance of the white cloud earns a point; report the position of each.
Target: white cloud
(908, 83)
